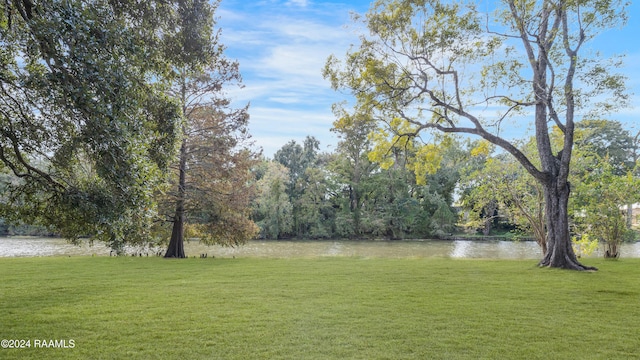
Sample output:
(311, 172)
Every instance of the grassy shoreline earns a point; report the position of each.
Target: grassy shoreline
(324, 308)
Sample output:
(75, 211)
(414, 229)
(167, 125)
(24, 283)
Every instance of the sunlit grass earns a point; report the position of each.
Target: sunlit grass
(324, 308)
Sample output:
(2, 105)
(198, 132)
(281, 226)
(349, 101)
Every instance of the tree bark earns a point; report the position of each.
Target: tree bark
(176, 244)
(489, 217)
(555, 168)
(354, 207)
(560, 252)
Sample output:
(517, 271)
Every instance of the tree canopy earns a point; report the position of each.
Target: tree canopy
(453, 68)
(86, 126)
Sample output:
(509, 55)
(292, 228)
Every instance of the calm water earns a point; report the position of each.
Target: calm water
(30, 246)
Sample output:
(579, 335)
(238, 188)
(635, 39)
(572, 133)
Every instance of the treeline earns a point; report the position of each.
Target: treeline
(23, 230)
(303, 193)
(468, 187)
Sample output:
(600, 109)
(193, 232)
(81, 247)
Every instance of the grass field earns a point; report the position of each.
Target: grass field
(321, 308)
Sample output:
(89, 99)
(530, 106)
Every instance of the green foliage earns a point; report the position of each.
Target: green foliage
(94, 107)
(496, 186)
(429, 67)
(316, 218)
(23, 230)
(599, 200)
(351, 168)
(585, 245)
(272, 210)
(87, 129)
(607, 139)
(298, 159)
(345, 194)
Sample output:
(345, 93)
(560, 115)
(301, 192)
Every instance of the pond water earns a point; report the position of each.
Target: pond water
(32, 246)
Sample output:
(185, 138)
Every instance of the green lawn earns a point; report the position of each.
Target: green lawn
(321, 308)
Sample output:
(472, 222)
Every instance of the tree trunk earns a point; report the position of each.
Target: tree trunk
(538, 224)
(555, 169)
(489, 217)
(612, 251)
(541, 236)
(486, 230)
(559, 253)
(354, 205)
(176, 244)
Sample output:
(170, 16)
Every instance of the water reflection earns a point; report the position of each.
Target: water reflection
(30, 246)
(16, 246)
(495, 249)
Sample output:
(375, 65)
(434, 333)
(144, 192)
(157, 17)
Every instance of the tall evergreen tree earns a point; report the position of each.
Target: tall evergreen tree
(212, 181)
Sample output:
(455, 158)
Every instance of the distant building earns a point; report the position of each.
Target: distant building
(635, 214)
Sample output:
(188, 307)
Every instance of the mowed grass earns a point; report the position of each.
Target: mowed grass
(320, 308)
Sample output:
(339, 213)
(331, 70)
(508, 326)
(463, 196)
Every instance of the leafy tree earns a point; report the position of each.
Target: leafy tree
(297, 158)
(272, 209)
(608, 140)
(437, 193)
(396, 196)
(352, 165)
(317, 215)
(482, 208)
(598, 203)
(389, 201)
(400, 203)
(85, 125)
(480, 195)
(439, 217)
(501, 186)
(211, 187)
(394, 208)
(441, 66)
(584, 246)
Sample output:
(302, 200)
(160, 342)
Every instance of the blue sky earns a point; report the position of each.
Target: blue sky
(282, 47)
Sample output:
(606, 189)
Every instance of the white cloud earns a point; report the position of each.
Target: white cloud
(284, 98)
(293, 60)
(282, 47)
(273, 127)
(305, 30)
(301, 3)
(282, 53)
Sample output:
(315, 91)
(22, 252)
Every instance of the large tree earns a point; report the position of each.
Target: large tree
(272, 208)
(608, 139)
(603, 171)
(600, 196)
(352, 165)
(85, 125)
(297, 158)
(211, 186)
(449, 67)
